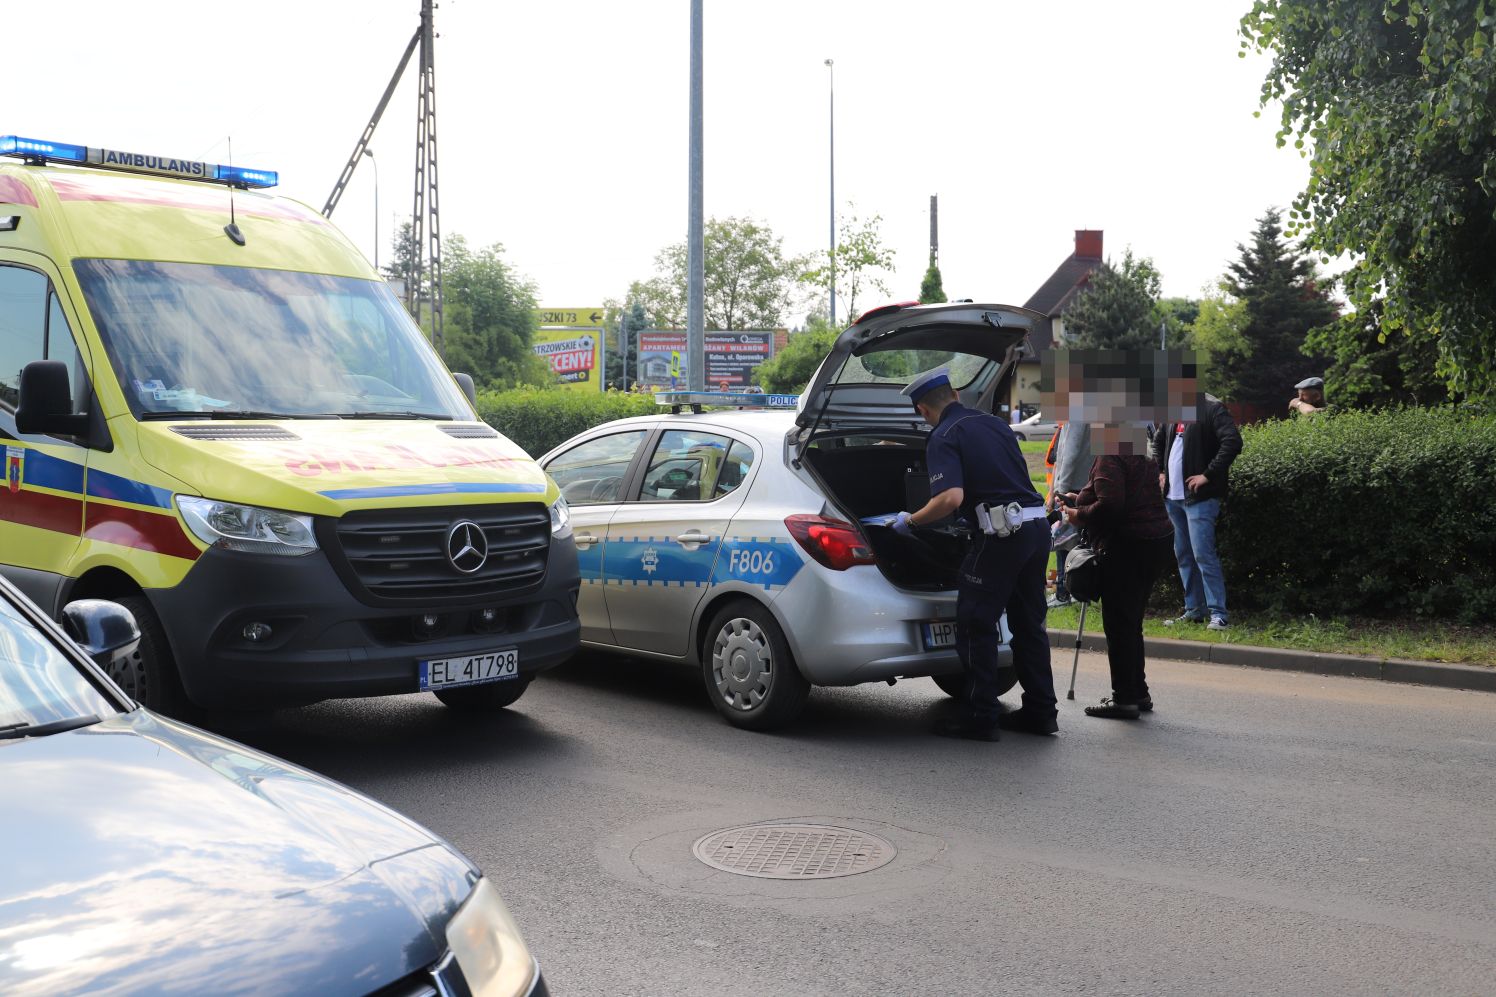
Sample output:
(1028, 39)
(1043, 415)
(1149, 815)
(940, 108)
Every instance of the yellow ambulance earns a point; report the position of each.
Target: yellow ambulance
(216, 413)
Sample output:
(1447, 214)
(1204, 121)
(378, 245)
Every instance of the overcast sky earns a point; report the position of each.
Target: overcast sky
(562, 126)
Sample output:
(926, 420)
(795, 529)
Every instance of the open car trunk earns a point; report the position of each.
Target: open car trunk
(875, 475)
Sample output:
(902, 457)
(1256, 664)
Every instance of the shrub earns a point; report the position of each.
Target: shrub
(539, 419)
(1367, 513)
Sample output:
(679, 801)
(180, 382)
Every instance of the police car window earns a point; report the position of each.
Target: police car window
(23, 327)
(684, 467)
(734, 469)
(187, 337)
(593, 473)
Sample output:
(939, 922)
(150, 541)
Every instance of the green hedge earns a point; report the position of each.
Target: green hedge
(539, 419)
(1365, 513)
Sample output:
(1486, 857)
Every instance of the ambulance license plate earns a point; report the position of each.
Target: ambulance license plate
(939, 635)
(448, 673)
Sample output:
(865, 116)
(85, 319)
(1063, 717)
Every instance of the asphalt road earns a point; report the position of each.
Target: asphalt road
(1262, 832)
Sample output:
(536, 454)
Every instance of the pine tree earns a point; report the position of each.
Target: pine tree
(1283, 300)
(931, 291)
(1115, 311)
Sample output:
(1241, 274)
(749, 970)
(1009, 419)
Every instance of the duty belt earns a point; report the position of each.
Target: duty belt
(1006, 520)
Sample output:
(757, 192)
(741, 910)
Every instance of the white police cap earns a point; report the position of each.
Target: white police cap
(927, 382)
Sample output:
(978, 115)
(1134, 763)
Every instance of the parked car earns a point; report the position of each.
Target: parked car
(144, 856)
(1036, 427)
(735, 541)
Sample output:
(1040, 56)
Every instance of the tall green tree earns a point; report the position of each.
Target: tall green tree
(624, 325)
(1394, 103)
(1283, 300)
(403, 255)
(1115, 311)
(860, 262)
(490, 317)
(1177, 316)
(932, 289)
(789, 370)
(1370, 369)
(748, 279)
(1217, 331)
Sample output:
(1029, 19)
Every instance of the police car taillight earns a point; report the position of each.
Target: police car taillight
(836, 544)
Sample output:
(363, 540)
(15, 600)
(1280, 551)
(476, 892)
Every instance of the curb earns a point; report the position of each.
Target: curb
(1431, 673)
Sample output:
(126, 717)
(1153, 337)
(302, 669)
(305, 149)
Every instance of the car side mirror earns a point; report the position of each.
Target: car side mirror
(465, 382)
(105, 630)
(46, 401)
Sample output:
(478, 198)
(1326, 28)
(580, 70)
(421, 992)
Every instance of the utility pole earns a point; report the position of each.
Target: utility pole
(695, 225)
(831, 90)
(934, 229)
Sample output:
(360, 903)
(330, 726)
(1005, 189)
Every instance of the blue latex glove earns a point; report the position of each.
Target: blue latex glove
(902, 525)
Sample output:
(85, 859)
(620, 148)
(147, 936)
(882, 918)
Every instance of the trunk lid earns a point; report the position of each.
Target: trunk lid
(857, 386)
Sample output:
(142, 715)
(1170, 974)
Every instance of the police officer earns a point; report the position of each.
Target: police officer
(974, 460)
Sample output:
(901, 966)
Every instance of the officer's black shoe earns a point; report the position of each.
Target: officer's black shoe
(1145, 704)
(1113, 710)
(968, 729)
(1028, 723)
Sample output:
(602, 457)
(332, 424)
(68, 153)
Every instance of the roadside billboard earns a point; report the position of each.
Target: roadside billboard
(731, 358)
(663, 359)
(571, 341)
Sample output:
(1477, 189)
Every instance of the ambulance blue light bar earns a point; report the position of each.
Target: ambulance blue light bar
(134, 162)
(725, 399)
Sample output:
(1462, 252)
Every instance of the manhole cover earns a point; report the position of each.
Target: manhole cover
(794, 851)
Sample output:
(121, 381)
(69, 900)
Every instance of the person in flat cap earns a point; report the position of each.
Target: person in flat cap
(974, 461)
(1311, 397)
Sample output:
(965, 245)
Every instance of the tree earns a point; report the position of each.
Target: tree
(403, 256)
(1369, 369)
(623, 363)
(490, 318)
(790, 370)
(1216, 331)
(931, 290)
(1283, 301)
(1177, 316)
(860, 262)
(1395, 106)
(1115, 309)
(748, 279)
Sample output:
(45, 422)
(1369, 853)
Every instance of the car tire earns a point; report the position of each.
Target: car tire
(955, 686)
(149, 674)
(483, 698)
(750, 674)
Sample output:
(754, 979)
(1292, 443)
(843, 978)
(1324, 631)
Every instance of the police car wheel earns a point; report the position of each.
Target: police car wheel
(478, 698)
(148, 675)
(957, 686)
(750, 673)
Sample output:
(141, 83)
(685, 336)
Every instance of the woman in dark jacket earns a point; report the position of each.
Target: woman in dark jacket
(1122, 511)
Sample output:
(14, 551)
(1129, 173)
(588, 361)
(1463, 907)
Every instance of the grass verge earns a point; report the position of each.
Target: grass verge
(1418, 640)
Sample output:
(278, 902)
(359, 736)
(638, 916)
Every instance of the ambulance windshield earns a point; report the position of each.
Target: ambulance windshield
(188, 338)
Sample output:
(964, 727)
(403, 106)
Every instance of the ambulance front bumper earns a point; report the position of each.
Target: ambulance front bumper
(253, 632)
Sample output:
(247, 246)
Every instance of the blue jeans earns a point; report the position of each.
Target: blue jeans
(1199, 564)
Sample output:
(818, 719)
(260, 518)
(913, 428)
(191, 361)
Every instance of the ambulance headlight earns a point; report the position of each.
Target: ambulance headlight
(230, 526)
(560, 518)
(486, 943)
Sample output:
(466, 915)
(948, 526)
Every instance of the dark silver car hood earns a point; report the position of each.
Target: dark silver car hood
(143, 856)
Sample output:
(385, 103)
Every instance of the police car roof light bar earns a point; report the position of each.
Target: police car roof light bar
(724, 399)
(41, 151)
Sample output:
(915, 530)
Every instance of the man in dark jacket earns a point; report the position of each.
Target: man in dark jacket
(1194, 459)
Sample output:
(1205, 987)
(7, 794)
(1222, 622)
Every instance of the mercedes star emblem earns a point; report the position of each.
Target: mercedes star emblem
(467, 547)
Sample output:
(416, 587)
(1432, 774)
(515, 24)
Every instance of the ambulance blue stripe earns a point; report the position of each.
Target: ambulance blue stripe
(102, 484)
(450, 488)
(45, 471)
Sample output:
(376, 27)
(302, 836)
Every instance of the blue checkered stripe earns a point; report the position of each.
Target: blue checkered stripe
(770, 562)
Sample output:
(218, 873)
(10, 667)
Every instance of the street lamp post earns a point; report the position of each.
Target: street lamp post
(831, 258)
(370, 154)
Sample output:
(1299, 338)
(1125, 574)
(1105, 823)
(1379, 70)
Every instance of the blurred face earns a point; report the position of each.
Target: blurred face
(1314, 396)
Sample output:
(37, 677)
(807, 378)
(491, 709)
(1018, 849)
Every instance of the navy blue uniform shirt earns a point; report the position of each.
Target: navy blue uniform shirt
(979, 454)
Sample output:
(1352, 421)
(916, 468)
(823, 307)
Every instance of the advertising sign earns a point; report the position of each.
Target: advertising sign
(732, 357)
(571, 341)
(662, 351)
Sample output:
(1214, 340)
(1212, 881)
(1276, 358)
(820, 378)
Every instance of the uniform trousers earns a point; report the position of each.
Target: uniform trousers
(1001, 574)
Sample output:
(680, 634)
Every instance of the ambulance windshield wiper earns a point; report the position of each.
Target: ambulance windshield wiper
(237, 414)
(395, 415)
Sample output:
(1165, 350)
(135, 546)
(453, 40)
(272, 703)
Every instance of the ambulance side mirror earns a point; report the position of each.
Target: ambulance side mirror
(465, 382)
(46, 402)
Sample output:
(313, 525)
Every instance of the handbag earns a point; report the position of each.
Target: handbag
(1083, 567)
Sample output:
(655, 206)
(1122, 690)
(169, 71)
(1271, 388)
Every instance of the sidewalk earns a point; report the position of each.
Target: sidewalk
(1432, 673)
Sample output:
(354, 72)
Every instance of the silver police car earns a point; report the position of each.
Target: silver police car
(748, 543)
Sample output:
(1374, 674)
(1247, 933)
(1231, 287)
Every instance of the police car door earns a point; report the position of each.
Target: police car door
(663, 544)
(41, 500)
(592, 476)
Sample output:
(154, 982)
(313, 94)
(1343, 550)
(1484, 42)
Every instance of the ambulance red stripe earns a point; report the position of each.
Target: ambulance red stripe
(136, 528)
(43, 511)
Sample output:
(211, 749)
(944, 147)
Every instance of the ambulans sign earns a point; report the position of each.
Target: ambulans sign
(572, 346)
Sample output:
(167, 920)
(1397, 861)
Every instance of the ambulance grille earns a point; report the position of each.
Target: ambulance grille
(470, 432)
(399, 556)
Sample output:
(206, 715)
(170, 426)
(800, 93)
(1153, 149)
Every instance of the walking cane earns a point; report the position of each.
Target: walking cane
(1075, 665)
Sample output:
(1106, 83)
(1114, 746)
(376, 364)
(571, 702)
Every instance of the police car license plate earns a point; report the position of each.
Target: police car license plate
(447, 673)
(939, 635)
